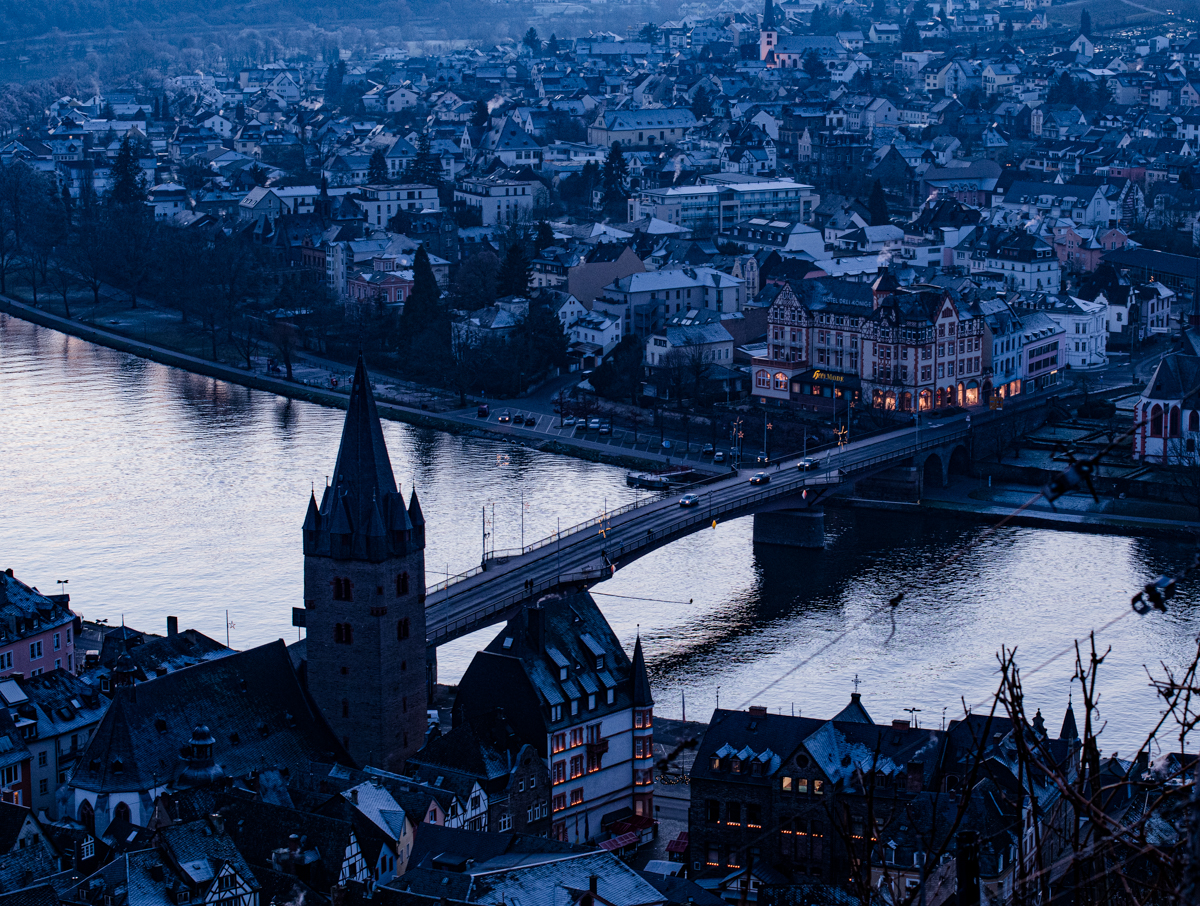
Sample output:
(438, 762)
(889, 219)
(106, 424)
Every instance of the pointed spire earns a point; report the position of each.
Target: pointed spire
(768, 22)
(363, 474)
(642, 697)
(414, 510)
(312, 519)
(1069, 731)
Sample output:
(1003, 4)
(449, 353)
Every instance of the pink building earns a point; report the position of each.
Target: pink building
(37, 631)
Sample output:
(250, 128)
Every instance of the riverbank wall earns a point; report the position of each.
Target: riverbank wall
(333, 398)
(981, 511)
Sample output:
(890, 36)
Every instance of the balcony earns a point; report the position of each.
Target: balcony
(597, 748)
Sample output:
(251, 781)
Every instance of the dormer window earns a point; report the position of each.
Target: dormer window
(562, 674)
(600, 662)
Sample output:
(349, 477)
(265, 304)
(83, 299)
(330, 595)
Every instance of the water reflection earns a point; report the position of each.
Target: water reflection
(158, 492)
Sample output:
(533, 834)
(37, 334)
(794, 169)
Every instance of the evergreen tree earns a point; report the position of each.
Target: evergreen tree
(532, 41)
(515, 272)
(1085, 23)
(1008, 29)
(423, 307)
(910, 36)
(877, 206)
(552, 45)
(813, 67)
(480, 115)
(165, 107)
(545, 236)
(819, 21)
(616, 172)
(879, 9)
(334, 78)
(847, 22)
(702, 103)
(377, 168)
(425, 169)
(108, 113)
(128, 181)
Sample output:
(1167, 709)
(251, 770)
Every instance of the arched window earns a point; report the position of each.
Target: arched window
(1156, 421)
(347, 590)
(347, 633)
(337, 590)
(1194, 420)
(337, 633)
(345, 707)
(402, 584)
(121, 813)
(1175, 421)
(87, 816)
(402, 629)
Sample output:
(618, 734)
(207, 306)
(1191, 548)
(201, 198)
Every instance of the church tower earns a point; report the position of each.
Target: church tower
(768, 35)
(364, 589)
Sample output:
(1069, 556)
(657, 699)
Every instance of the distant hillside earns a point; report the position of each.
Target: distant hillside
(26, 18)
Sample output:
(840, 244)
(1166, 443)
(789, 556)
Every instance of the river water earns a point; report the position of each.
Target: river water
(157, 492)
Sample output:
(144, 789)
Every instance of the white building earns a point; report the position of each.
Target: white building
(496, 200)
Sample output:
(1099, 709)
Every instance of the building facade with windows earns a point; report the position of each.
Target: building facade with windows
(570, 691)
(37, 631)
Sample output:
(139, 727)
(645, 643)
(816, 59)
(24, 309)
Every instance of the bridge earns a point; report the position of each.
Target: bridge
(592, 551)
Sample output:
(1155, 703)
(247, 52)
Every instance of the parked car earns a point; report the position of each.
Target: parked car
(606, 427)
(531, 419)
(518, 419)
(483, 411)
(806, 464)
(569, 422)
(707, 450)
(719, 456)
(689, 500)
(593, 424)
(760, 478)
(504, 417)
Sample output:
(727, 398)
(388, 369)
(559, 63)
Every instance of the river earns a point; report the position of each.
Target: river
(157, 492)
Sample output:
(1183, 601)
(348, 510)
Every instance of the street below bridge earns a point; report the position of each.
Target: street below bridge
(589, 552)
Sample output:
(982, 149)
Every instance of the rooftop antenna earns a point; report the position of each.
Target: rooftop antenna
(912, 715)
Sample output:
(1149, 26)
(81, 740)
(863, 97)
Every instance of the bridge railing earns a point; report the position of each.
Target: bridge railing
(607, 517)
(701, 515)
(846, 462)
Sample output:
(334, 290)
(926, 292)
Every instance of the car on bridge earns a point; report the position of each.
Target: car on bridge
(806, 464)
(760, 478)
(719, 456)
(689, 500)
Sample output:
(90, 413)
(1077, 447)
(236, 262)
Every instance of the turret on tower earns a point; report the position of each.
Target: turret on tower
(364, 587)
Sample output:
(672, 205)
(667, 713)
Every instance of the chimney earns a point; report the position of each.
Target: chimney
(901, 724)
(593, 884)
(916, 776)
(172, 627)
(354, 796)
(758, 711)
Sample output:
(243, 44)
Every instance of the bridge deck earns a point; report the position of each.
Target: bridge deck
(593, 550)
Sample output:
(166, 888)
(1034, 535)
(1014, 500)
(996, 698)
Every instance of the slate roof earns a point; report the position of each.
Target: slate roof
(252, 702)
(539, 885)
(1175, 377)
(25, 610)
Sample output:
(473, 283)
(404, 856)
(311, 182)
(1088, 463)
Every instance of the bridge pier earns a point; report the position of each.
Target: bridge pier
(791, 528)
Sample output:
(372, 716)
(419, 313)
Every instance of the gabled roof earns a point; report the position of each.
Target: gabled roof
(251, 701)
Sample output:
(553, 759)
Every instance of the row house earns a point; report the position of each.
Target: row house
(806, 798)
(1018, 259)
(645, 301)
(37, 631)
(582, 704)
(1084, 325)
(922, 348)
